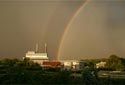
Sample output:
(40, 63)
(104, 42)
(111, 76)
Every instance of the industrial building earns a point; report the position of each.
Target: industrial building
(43, 60)
(38, 57)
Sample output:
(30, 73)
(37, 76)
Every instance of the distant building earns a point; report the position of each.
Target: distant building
(100, 64)
(70, 64)
(81, 65)
(52, 64)
(37, 57)
(43, 60)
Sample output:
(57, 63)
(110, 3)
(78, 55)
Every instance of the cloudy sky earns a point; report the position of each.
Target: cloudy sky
(72, 29)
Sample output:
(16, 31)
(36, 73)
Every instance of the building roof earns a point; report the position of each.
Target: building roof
(52, 63)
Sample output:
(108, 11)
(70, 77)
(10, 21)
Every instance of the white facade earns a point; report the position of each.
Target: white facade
(70, 64)
(37, 57)
(33, 55)
(100, 64)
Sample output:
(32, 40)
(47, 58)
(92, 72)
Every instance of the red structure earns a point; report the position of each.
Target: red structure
(52, 64)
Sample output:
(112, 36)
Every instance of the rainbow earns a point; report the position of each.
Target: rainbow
(68, 26)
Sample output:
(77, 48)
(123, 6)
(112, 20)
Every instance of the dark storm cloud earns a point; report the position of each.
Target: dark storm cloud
(23, 23)
(96, 32)
(56, 26)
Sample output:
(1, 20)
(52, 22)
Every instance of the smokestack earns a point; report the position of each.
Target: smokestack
(45, 50)
(36, 48)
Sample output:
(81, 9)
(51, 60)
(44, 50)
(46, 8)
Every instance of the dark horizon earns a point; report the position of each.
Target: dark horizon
(75, 29)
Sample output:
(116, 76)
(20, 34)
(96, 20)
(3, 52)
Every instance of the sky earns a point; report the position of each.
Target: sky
(72, 29)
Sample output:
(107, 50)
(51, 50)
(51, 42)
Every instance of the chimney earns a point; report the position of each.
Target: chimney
(45, 50)
(37, 48)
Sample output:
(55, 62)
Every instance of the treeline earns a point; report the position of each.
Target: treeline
(113, 63)
(14, 71)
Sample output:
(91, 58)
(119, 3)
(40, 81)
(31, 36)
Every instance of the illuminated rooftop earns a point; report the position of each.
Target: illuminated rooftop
(34, 55)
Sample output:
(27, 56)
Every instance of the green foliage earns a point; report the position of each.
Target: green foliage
(14, 71)
(89, 76)
(114, 62)
(63, 76)
(8, 62)
(52, 69)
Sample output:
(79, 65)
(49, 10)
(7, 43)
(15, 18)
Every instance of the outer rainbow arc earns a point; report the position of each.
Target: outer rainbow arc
(67, 27)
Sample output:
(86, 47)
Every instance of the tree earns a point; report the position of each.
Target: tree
(63, 77)
(89, 75)
(115, 63)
